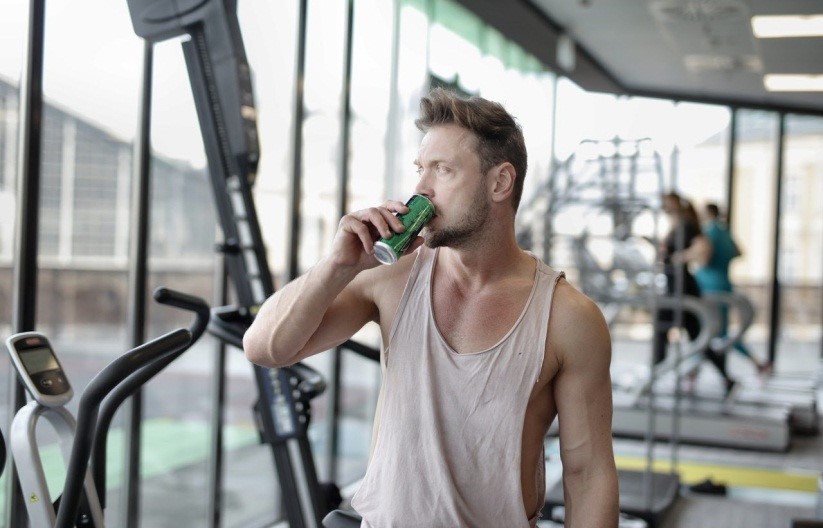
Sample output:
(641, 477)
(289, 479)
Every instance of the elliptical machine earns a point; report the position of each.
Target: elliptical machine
(82, 501)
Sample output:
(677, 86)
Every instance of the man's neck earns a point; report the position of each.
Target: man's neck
(485, 264)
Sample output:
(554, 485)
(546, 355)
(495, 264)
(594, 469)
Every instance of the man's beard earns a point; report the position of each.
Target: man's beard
(466, 229)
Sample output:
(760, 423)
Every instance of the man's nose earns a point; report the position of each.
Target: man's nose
(423, 185)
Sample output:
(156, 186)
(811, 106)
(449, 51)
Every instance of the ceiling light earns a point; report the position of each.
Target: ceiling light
(780, 26)
(793, 83)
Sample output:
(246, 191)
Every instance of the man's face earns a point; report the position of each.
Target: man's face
(450, 177)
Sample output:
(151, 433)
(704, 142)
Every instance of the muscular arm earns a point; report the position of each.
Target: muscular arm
(583, 393)
(313, 313)
(331, 302)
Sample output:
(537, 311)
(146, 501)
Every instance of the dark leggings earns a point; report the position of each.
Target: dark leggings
(664, 320)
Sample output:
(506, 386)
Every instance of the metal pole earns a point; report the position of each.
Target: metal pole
(217, 405)
(554, 165)
(293, 268)
(24, 304)
(342, 207)
(774, 315)
(731, 168)
(393, 119)
(138, 256)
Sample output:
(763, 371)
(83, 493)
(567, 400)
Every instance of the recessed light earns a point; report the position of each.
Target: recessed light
(782, 26)
(793, 83)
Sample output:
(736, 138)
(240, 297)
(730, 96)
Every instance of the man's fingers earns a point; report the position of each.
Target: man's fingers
(383, 218)
(361, 230)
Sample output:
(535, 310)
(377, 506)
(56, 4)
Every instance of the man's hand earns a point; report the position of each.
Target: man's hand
(353, 245)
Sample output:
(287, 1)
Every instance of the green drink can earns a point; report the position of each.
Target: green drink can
(421, 210)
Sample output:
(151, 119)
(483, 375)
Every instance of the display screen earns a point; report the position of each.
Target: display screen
(37, 360)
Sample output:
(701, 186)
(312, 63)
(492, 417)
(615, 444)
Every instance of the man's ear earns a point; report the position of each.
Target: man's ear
(503, 178)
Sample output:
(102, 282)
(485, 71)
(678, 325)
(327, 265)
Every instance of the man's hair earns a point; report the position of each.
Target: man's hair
(499, 137)
(713, 210)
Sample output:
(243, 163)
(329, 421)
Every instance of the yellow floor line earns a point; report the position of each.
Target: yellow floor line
(733, 476)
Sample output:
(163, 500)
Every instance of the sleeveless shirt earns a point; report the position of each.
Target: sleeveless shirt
(447, 441)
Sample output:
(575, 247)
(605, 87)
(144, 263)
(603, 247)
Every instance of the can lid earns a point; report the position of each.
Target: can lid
(384, 253)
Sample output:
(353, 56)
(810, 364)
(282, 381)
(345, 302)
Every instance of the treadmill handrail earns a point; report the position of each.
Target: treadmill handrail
(745, 311)
(101, 385)
(707, 317)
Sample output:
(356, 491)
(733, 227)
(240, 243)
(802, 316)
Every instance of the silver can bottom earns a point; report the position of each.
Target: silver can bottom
(384, 253)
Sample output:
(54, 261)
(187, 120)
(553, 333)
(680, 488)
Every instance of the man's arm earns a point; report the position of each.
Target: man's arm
(583, 394)
(331, 302)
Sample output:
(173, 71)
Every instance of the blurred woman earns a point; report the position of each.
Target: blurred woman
(683, 244)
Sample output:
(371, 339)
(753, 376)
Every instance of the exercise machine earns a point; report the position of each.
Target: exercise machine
(82, 501)
(220, 80)
(743, 419)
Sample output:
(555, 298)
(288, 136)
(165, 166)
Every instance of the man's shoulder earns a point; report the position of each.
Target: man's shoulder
(386, 283)
(575, 318)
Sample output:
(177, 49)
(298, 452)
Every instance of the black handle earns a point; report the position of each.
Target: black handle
(101, 385)
(139, 378)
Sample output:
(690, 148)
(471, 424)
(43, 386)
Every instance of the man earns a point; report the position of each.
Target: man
(474, 369)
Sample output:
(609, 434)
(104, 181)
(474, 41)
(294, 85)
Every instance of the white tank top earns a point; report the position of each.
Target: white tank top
(448, 429)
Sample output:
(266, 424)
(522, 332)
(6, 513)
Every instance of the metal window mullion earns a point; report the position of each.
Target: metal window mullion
(342, 208)
(24, 292)
(216, 444)
(293, 267)
(731, 167)
(774, 314)
(138, 278)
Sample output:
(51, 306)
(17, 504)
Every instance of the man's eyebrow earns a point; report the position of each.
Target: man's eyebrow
(433, 161)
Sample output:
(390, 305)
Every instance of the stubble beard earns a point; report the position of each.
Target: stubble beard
(465, 231)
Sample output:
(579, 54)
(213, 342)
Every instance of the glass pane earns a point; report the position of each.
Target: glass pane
(90, 89)
(371, 90)
(753, 227)
(801, 244)
(270, 37)
(182, 226)
(12, 38)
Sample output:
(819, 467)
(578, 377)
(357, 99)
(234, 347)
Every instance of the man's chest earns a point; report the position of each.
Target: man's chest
(477, 322)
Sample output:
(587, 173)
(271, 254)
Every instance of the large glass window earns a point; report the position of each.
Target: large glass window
(12, 38)
(615, 157)
(800, 271)
(371, 93)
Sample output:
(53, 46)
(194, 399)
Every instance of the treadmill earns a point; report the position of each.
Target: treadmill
(748, 419)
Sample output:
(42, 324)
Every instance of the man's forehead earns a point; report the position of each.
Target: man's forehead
(447, 139)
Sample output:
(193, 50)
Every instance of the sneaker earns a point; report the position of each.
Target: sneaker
(765, 369)
(708, 487)
(732, 389)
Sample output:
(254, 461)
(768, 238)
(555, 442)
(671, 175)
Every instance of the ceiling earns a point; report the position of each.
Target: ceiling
(699, 50)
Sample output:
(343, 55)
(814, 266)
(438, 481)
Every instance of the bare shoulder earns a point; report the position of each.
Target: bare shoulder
(384, 285)
(577, 328)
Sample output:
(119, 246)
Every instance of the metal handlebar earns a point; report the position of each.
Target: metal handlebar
(101, 385)
(745, 311)
(139, 378)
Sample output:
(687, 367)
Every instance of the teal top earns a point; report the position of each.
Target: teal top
(714, 276)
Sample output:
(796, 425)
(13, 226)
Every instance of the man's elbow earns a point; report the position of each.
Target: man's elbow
(259, 350)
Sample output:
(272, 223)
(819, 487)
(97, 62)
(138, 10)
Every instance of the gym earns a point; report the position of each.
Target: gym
(166, 166)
